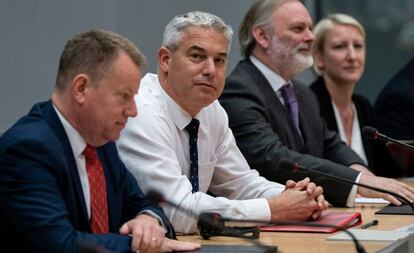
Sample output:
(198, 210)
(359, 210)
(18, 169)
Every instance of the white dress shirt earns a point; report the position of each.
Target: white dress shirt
(276, 82)
(154, 147)
(356, 140)
(78, 144)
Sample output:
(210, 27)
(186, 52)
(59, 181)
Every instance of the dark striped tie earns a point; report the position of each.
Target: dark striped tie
(192, 130)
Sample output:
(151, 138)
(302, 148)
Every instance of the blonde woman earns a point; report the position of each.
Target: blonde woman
(339, 59)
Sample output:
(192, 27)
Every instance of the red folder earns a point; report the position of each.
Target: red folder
(339, 219)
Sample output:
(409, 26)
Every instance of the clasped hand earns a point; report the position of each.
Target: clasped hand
(300, 201)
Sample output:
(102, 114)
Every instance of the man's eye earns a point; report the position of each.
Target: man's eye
(196, 57)
(124, 95)
(339, 46)
(220, 61)
(297, 29)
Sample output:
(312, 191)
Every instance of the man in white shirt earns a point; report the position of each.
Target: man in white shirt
(156, 146)
(269, 124)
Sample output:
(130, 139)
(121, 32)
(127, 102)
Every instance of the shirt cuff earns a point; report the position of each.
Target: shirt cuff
(254, 209)
(154, 215)
(257, 209)
(351, 197)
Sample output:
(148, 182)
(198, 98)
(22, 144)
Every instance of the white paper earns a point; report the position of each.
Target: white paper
(369, 235)
(362, 200)
(407, 228)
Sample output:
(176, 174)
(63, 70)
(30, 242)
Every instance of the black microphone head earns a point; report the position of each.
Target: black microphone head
(370, 133)
(155, 196)
(287, 164)
(210, 224)
(213, 219)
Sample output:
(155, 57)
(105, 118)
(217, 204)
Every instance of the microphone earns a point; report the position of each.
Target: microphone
(289, 165)
(208, 224)
(211, 224)
(373, 134)
(219, 228)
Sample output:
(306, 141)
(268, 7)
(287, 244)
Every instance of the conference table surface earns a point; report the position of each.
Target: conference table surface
(289, 242)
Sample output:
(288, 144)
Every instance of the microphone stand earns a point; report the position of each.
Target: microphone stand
(285, 163)
(372, 133)
(217, 221)
(386, 138)
(203, 218)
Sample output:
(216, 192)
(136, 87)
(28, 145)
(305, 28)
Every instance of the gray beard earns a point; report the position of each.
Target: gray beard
(288, 61)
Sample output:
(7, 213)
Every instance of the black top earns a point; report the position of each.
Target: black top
(379, 160)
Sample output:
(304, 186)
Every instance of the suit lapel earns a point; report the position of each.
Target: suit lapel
(50, 116)
(326, 108)
(283, 122)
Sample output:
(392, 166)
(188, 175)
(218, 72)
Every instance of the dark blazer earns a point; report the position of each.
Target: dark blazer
(394, 107)
(265, 133)
(379, 159)
(42, 208)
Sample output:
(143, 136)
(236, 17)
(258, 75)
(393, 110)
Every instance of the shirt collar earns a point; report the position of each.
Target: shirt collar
(275, 81)
(180, 116)
(76, 141)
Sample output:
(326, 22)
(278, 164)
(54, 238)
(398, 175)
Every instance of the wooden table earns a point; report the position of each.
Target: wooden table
(316, 242)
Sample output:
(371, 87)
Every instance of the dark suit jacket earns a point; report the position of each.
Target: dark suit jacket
(42, 208)
(394, 107)
(265, 133)
(379, 159)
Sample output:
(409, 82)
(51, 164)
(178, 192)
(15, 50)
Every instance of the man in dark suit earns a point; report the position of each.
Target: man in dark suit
(394, 116)
(274, 117)
(62, 185)
(394, 107)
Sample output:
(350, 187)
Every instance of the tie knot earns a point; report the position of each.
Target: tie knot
(192, 127)
(288, 93)
(89, 152)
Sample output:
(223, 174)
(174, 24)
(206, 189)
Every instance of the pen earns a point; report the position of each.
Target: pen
(370, 224)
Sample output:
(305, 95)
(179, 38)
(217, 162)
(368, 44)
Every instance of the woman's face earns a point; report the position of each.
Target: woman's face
(342, 58)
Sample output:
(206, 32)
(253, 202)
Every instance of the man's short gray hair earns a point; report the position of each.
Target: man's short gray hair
(175, 28)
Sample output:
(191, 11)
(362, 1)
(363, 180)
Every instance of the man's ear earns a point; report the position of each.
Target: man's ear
(261, 37)
(80, 84)
(164, 57)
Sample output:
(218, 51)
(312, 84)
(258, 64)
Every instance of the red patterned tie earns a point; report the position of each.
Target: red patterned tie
(97, 189)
